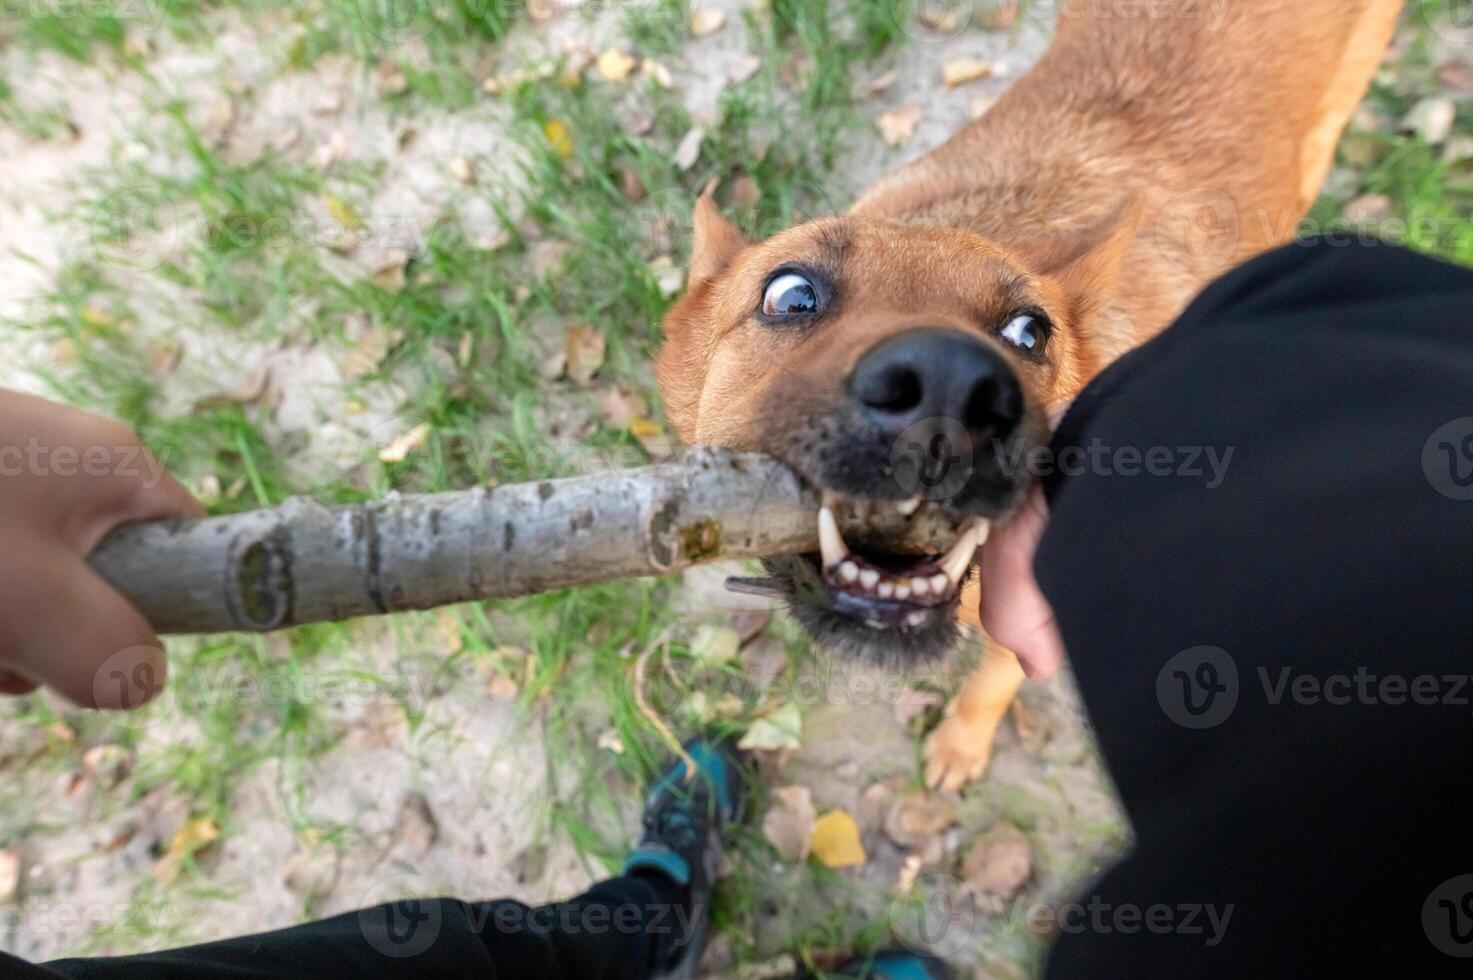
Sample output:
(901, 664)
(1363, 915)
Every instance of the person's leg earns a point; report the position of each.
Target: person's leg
(1264, 590)
(650, 922)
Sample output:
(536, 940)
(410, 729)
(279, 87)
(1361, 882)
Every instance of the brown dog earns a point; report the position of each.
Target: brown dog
(909, 352)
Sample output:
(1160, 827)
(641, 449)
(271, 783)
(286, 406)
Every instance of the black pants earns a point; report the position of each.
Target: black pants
(1273, 645)
(1277, 666)
(618, 930)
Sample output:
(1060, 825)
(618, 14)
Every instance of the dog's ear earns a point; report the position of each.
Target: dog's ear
(1086, 262)
(715, 241)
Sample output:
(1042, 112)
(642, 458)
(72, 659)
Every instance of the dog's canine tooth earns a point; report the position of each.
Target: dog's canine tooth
(908, 507)
(830, 541)
(959, 558)
(869, 578)
(848, 571)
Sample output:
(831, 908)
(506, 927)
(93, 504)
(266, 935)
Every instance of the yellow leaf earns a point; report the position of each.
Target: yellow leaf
(835, 841)
(616, 66)
(342, 212)
(559, 137)
(187, 841)
(706, 20)
(401, 446)
(964, 70)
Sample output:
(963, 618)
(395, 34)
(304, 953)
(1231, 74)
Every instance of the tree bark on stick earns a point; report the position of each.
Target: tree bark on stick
(302, 562)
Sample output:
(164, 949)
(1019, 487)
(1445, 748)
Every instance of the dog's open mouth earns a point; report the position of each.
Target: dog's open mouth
(861, 598)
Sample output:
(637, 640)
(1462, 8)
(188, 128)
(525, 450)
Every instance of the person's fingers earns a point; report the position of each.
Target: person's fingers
(100, 653)
(1012, 608)
(157, 495)
(12, 683)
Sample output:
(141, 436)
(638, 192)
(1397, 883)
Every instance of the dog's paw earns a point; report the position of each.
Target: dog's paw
(957, 753)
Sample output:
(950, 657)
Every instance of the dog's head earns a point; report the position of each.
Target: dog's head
(891, 366)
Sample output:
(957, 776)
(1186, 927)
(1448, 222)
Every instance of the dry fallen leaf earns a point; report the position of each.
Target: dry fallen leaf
(788, 823)
(898, 125)
(416, 828)
(1455, 75)
(188, 841)
(107, 763)
(1431, 119)
(9, 874)
(542, 11)
(1368, 208)
(652, 437)
(559, 137)
(705, 21)
(714, 645)
(999, 864)
(964, 70)
(584, 347)
(881, 83)
(910, 870)
(917, 817)
(501, 687)
(621, 407)
(689, 150)
(744, 69)
(1001, 17)
(342, 212)
(835, 842)
(630, 186)
(669, 277)
(366, 354)
(547, 257)
(783, 729)
(462, 171)
(658, 73)
(405, 443)
(311, 874)
(939, 19)
(616, 66)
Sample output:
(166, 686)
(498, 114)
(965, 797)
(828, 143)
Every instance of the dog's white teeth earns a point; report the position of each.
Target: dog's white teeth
(920, 586)
(916, 618)
(908, 507)
(902, 591)
(959, 558)
(939, 583)
(869, 578)
(830, 541)
(886, 590)
(848, 571)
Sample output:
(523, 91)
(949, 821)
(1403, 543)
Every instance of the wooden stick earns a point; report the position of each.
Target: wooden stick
(303, 562)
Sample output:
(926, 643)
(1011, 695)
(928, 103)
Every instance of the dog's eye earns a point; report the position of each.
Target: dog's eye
(789, 294)
(1026, 332)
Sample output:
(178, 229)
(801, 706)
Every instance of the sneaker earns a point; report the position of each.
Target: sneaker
(683, 820)
(895, 964)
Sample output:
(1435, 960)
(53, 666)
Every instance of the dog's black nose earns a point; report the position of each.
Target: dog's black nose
(934, 373)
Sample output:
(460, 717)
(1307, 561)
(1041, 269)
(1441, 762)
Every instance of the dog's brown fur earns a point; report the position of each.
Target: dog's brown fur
(1153, 147)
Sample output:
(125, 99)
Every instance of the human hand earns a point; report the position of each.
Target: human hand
(67, 478)
(1013, 609)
